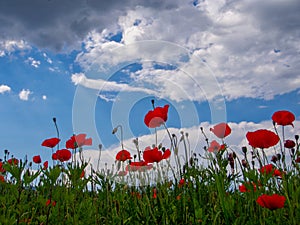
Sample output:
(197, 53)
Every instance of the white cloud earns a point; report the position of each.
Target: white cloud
(10, 46)
(44, 97)
(104, 85)
(4, 88)
(33, 62)
(24, 94)
(246, 60)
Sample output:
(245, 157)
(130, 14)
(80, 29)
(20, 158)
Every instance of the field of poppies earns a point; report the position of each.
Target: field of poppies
(246, 187)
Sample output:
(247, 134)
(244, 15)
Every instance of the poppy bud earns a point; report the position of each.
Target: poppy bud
(201, 128)
(244, 149)
(297, 137)
(274, 159)
(152, 102)
(54, 119)
(100, 146)
(244, 163)
(115, 130)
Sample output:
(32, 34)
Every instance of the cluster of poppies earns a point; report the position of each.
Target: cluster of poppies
(63, 155)
(260, 139)
(153, 119)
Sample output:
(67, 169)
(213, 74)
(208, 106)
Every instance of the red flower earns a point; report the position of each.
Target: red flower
(154, 193)
(2, 178)
(298, 159)
(54, 156)
(123, 155)
(155, 155)
(45, 165)
(37, 159)
(13, 161)
(270, 169)
(138, 166)
(156, 117)
(63, 155)
(78, 141)
(2, 170)
(215, 146)
(48, 202)
(221, 130)
(289, 144)
(271, 202)
(262, 138)
(82, 174)
(283, 118)
(181, 183)
(51, 142)
(247, 187)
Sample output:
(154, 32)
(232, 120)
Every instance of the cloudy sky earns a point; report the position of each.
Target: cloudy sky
(97, 64)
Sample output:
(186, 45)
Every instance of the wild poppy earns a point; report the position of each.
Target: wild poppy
(221, 130)
(215, 146)
(45, 165)
(289, 144)
(2, 178)
(54, 156)
(63, 155)
(155, 118)
(247, 187)
(271, 202)
(13, 161)
(283, 118)
(270, 169)
(82, 174)
(123, 155)
(51, 142)
(2, 170)
(78, 141)
(262, 138)
(155, 155)
(181, 183)
(37, 159)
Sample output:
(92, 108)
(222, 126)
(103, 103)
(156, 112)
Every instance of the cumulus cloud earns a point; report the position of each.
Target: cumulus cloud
(24, 94)
(8, 46)
(35, 63)
(4, 88)
(44, 97)
(230, 37)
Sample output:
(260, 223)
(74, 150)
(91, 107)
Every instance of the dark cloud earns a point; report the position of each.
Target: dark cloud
(57, 24)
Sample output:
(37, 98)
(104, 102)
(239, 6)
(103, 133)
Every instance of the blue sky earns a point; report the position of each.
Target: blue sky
(94, 60)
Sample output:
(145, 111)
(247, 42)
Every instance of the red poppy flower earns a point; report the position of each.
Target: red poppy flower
(156, 117)
(289, 144)
(221, 130)
(270, 169)
(82, 174)
(2, 170)
(54, 156)
(215, 146)
(271, 202)
(262, 138)
(154, 193)
(13, 161)
(45, 165)
(51, 142)
(283, 118)
(78, 141)
(138, 166)
(48, 202)
(63, 155)
(37, 159)
(247, 187)
(181, 183)
(123, 155)
(2, 178)
(298, 159)
(155, 155)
